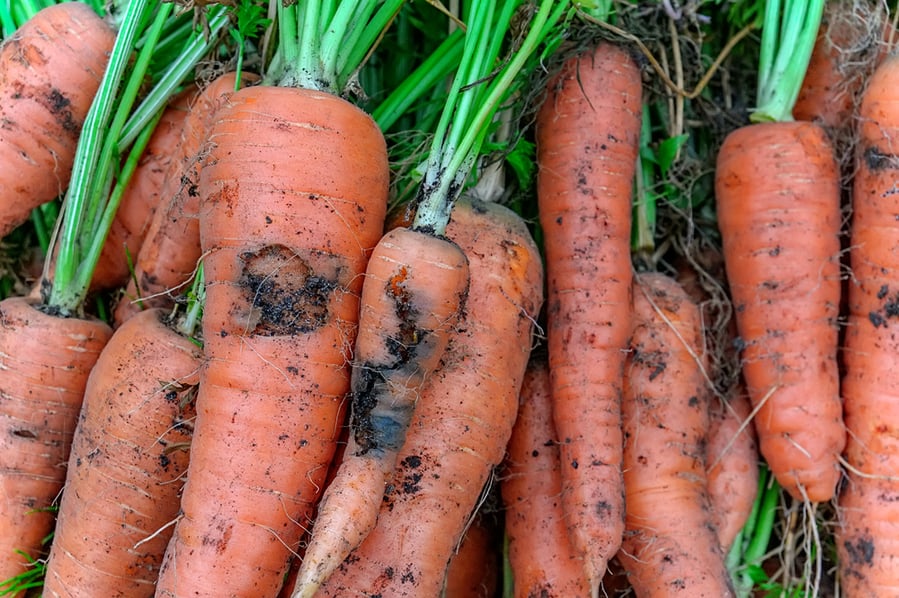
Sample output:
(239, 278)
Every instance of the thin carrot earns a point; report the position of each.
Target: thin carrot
(51, 69)
(463, 418)
(126, 467)
(868, 505)
(778, 206)
(670, 546)
(541, 558)
(588, 133)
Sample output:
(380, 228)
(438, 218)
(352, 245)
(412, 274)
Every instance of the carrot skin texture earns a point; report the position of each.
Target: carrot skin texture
(463, 419)
(542, 559)
(51, 70)
(587, 140)
(128, 454)
(44, 365)
(869, 502)
(294, 195)
(670, 545)
(778, 197)
(168, 256)
(415, 286)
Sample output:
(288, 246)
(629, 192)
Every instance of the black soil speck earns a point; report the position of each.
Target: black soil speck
(861, 552)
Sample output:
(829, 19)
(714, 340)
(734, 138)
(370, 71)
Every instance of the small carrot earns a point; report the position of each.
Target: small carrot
(670, 546)
(126, 467)
(51, 70)
(541, 558)
(588, 132)
(868, 505)
(463, 418)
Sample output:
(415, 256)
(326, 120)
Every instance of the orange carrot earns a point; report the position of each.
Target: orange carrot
(587, 139)
(869, 502)
(168, 256)
(45, 361)
(51, 69)
(463, 418)
(670, 545)
(474, 568)
(541, 557)
(293, 199)
(128, 458)
(778, 198)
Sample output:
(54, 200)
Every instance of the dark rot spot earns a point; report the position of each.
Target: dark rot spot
(30, 435)
(860, 552)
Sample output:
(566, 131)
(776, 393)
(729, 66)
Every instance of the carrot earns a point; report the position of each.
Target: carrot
(868, 511)
(168, 257)
(587, 139)
(44, 364)
(51, 69)
(128, 456)
(541, 558)
(778, 205)
(463, 418)
(670, 546)
(473, 570)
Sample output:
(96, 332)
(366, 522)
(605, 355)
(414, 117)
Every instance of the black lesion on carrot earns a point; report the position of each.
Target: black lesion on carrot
(889, 310)
(878, 160)
(860, 552)
(60, 107)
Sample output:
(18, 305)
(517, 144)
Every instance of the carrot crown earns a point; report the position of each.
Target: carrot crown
(478, 90)
(788, 37)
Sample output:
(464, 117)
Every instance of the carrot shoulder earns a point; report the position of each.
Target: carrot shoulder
(126, 467)
(869, 503)
(670, 546)
(293, 199)
(587, 139)
(51, 69)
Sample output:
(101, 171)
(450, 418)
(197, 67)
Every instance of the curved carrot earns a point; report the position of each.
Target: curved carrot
(778, 199)
(869, 502)
(51, 69)
(285, 249)
(670, 546)
(44, 365)
(126, 467)
(463, 418)
(587, 139)
(541, 557)
(415, 287)
(168, 256)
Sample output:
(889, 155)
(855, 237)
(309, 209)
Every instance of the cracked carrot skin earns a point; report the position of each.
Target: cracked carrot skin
(778, 204)
(587, 140)
(126, 467)
(463, 418)
(51, 70)
(868, 505)
(670, 546)
(45, 361)
(293, 200)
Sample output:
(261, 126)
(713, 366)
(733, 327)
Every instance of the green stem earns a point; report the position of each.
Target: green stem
(756, 534)
(195, 303)
(644, 211)
(6, 20)
(361, 41)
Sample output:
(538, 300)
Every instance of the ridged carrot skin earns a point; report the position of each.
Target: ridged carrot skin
(44, 365)
(587, 140)
(293, 200)
(463, 418)
(670, 545)
(541, 557)
(778, 205)
(126, 467)
(869, 503)
(51, 70)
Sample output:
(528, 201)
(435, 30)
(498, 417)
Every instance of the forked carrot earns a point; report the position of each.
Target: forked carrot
(588, 132)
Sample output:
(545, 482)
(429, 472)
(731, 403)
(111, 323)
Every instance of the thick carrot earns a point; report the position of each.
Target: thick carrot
(869, 502)
(587, 139)
(463, 418)
(51, 69)
(670, 546)
(293, 199)
(168, 256)
(142, 195)
(541, 558)
(44, 365)
(415, 287)
(126, 467)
